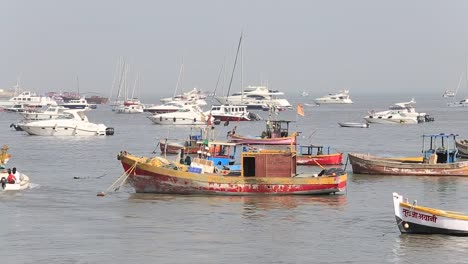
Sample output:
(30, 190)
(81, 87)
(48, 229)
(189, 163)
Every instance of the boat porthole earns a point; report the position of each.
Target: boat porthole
(36, 116)
(406, 225)
(42, 127)
(195, 119)
(160, 118)
(174, 119)
(66, 128)
(50, 117)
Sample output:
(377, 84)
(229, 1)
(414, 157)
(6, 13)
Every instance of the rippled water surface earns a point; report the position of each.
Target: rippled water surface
(61, 220)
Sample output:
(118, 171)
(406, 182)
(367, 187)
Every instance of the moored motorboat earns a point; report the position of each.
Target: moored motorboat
(232, 113)
(412, 218)
(355, 125)
(399, 113)
(73, 122)
(318, 155)
(189, 116)
(51, 112)
(263, 172)
(342, 97)
(439, 159)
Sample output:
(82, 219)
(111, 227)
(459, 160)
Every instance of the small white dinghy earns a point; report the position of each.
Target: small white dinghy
(351, 124)
(23, 184)
(416, 219)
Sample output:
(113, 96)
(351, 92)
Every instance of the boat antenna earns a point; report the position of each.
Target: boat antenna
(179, 79)
(234, 68)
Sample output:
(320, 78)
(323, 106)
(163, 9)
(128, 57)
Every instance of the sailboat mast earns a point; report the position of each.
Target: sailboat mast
(181, 72)
(78, 85)
(242, 74)
(233, 68)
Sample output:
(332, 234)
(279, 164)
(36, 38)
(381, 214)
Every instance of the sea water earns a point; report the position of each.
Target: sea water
(61, 220)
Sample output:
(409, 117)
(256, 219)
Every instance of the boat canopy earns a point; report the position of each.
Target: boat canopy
(441, 145)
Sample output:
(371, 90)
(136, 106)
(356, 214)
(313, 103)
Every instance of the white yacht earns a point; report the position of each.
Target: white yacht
(130, 109)
(29, 99)
(187, 116)
(399, 113)
(81, 103)
(231, 113)
(461, 103)
(448, 93)
(51, 112)
(169, 107)
(256, 97)
(342, 97)
(72, 122)
(196, 96)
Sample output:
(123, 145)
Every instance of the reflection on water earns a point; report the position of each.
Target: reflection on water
(251, 206)
(411, 248)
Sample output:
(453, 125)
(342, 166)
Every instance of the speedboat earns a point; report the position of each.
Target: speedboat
(76, 104)
(51, 112)
(256, 97)
(461, 103)
(189, 116)
(72, 122)
(130, 109)
(354, 124)
(448, 93)
(342, 97)
(399, 113)
(17, 186)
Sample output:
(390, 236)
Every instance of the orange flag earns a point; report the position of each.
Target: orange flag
(300, 109)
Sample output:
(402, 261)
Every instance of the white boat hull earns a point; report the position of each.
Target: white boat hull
(176, 121)
(423, 220)
(65, 130)
(24, 184)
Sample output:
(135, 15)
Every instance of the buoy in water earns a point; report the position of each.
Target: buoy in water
(101, 194)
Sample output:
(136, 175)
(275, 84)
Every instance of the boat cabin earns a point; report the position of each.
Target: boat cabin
(221, 153)
(314, 150)
(439, 148)
(276, 129)
(268, 163)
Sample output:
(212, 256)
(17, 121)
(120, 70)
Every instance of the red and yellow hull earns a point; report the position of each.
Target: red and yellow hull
(146, 176)
(318, 160)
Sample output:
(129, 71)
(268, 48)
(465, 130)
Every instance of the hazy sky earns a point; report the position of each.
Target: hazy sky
(320, 46)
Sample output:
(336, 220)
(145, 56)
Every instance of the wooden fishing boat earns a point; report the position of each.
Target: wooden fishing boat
(354, 125)
(414, 219)
(439, 159)
(462, 146)
(276, 133)
(262, 172)
(317, 156)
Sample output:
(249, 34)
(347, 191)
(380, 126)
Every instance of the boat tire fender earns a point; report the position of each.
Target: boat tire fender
(3, 181)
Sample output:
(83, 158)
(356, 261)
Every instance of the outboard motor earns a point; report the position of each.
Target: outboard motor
(109, 131)
(3, 181)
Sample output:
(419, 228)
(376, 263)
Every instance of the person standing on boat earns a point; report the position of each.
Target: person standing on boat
(16, 174)
(11, 178)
